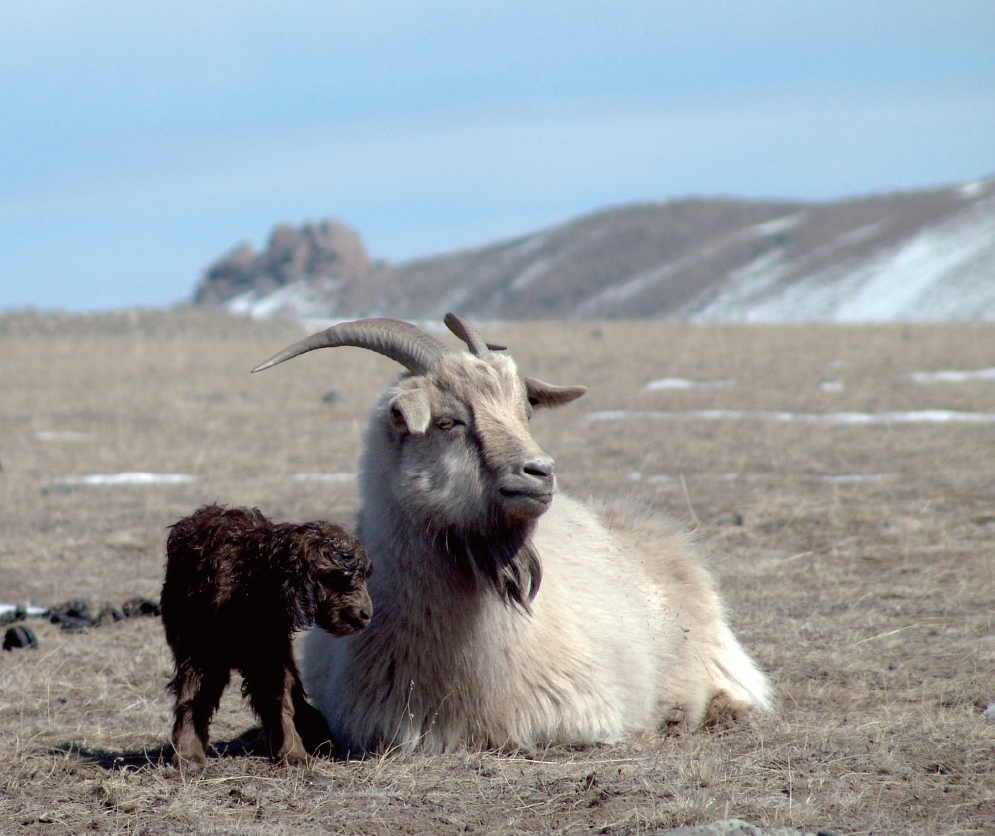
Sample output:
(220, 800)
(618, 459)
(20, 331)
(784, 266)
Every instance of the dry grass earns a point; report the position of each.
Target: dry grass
(869, 602)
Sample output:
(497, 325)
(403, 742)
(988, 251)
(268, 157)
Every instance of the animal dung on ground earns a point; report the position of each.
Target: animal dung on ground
(19, 636)
(76, 616)
(108, 615)
(236, 588)
(73, 616)
(140, 608)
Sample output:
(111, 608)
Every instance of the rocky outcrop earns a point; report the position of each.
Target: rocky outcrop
(310, 253)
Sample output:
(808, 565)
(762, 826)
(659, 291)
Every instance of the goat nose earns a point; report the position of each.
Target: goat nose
(540, 468)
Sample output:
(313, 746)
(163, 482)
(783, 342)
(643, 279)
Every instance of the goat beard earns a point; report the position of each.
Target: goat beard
(501, 554)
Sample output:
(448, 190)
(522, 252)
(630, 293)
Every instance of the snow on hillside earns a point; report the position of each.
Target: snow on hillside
(911, 256)
(946, 272)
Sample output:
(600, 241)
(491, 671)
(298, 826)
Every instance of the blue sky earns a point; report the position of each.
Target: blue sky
(139, 141)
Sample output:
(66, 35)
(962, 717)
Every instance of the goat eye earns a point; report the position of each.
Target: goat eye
(446, 423)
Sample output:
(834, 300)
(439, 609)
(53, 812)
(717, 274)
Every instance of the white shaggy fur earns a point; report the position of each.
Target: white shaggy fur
(625, 633)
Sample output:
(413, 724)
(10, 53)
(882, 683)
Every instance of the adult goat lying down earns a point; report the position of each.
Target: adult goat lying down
(507, 615)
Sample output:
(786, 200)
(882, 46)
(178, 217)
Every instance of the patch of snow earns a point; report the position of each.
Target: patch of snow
(943, 272)
(830, 385)
(901, 280)
(530, 274)
(296, 299)
(635, 285)
(862, 233)
(29, 610)
(928, 416)
(50, 436)
(744, 289)
(777, 225)
(626, 290)
(683, 383)
(129, 479)
(321, 477)
(969, 190)
(989, 714)
(951, 376)
(242, 304)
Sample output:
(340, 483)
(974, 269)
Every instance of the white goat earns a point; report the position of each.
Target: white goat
(461, 521)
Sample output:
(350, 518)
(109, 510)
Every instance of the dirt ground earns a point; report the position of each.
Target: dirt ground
(868, 600)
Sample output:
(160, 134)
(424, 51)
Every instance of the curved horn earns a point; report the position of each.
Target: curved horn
(466, 332)
(400, 341)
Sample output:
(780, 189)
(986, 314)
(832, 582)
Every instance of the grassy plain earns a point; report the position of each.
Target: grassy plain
(869, 600)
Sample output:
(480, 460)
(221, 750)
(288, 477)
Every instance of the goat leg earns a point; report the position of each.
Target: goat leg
(270, 693)
(197, 698)
(311, 725)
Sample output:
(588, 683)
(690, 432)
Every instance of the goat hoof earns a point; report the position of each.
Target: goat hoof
(191, 757)
(725, 711)
(193, 763)
(294, 755)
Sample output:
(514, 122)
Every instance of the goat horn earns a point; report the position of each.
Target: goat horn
(466, 332)
(400, 341)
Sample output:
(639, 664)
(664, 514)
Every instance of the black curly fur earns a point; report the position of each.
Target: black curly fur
(236, 587)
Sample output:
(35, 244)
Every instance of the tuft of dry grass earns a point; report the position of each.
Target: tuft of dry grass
(869, 602)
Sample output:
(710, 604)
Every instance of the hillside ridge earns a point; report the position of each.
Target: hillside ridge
(904, 256)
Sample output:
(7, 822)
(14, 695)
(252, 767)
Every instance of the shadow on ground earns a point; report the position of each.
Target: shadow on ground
(250, 743)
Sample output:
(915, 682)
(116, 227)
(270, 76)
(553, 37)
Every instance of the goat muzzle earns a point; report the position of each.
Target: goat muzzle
(527, 490)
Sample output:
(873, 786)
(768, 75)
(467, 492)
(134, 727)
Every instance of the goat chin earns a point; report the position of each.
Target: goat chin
(626, 634)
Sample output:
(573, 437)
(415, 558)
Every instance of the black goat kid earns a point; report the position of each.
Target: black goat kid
(236, 588)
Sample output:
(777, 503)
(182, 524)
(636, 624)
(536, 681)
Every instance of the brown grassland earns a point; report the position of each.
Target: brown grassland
(869, 602)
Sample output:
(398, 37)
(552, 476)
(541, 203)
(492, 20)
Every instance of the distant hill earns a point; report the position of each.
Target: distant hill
(906, 256)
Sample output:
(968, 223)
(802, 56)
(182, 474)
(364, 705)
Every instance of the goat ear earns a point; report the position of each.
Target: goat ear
(411, 411)
(546, 394)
